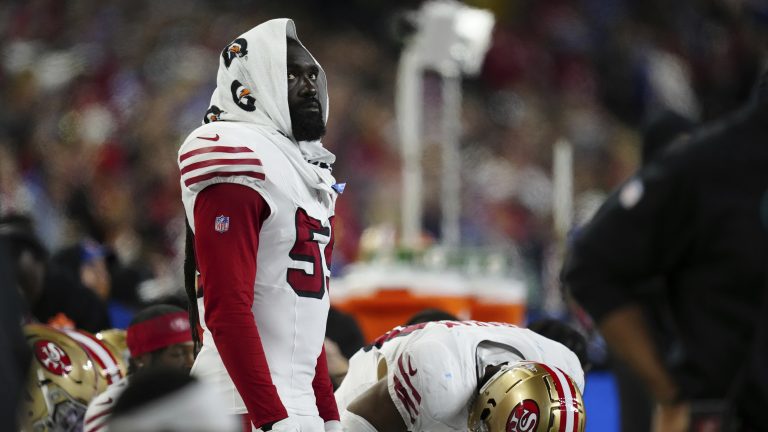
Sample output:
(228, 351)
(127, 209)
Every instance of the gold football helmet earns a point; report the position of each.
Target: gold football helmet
(115, 339)
(106, 358)
(112, 362)
(528, 397)
(62, 381)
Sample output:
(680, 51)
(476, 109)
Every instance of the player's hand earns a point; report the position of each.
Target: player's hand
(672, 417)
(333, 426)
(285, 425)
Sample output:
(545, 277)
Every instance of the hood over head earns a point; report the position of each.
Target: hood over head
(252, 87)
(252, 83)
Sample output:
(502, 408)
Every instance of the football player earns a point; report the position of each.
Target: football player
(166, 399)
(157, 336)
(259, 197)
(463, 375)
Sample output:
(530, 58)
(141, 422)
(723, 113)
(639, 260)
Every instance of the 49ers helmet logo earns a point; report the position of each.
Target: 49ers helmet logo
(524, 417)
(52, 357)
(238, 48)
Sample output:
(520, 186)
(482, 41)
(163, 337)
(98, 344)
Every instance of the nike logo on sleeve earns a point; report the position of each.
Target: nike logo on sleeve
(213, 138)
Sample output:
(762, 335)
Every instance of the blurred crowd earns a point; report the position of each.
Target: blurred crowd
(95, 97)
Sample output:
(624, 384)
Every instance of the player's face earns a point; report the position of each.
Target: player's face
(303, 102)
(180, 356)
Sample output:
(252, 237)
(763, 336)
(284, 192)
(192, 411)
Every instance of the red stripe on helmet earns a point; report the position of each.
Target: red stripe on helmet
(576, 406)
(561, 396)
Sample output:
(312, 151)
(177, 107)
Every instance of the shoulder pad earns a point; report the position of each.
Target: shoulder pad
(210, 154)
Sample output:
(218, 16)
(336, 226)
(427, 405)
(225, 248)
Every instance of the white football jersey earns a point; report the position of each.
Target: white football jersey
(295, 242)
(432, 369)
(100, 408)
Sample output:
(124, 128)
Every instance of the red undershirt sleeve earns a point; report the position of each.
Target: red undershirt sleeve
(227, 264)
(326, 402)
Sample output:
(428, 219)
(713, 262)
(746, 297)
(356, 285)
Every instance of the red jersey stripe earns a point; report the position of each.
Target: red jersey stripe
(214, 149)
(107, 411)
(407, 378)
(405, 399)
(192, 180)
(212, 162)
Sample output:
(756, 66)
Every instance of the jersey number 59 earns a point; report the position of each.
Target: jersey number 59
(311, 255)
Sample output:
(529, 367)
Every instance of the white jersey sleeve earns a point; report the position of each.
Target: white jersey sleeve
(361, 375)
(100, 408)
(220, 153)
(430, 386)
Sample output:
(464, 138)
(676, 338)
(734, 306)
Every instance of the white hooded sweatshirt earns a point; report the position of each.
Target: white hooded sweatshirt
(247, 139)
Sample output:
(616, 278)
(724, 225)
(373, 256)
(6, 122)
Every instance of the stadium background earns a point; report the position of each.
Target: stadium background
(96, 96)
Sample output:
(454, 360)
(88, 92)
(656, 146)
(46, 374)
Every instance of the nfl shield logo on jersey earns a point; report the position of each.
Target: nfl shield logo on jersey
(222, 224)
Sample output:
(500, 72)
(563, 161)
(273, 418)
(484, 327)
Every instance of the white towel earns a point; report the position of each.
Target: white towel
(252, 87)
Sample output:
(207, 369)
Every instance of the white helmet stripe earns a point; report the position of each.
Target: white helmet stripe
(101, 354)
(575, 406)
(570, 424)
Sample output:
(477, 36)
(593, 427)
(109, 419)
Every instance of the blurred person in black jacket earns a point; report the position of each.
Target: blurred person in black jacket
(86, 262)
(15, 356)
(693, 216)
(50, 294)
(663, 129)
(751, 387)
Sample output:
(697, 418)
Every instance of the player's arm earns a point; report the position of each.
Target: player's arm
(373, 411)
(323, 388)
(227, 264)
(98, 412)
(626, 333)
(424, 388)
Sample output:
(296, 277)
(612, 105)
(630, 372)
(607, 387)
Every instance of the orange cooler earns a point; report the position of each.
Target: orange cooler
(385, 309)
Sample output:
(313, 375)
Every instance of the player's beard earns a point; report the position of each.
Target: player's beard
(307, 125)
